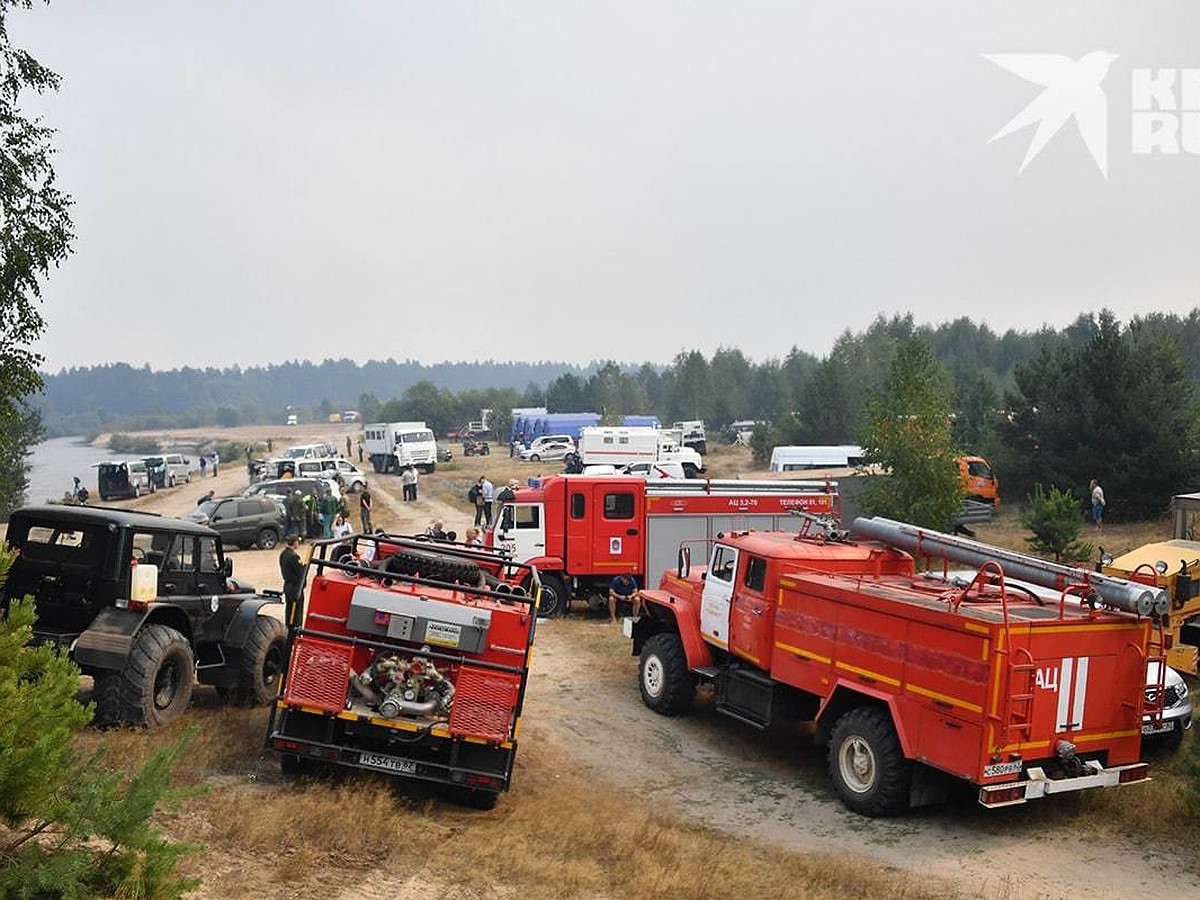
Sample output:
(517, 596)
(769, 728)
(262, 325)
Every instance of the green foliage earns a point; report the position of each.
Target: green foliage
(1115, 405)
(36, 235)
(132, 445)
(227, 416)
(1054, 519)
(71, 827)
(908, 435)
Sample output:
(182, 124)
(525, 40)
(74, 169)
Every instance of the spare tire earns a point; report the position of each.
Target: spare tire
(434, 566)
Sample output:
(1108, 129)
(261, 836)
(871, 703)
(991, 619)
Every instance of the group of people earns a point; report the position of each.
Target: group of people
(482, 496)
(314, 517)
(213, 462)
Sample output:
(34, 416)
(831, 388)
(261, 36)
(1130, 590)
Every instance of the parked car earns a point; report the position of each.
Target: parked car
(179, 468)
(445, 454)
(138, 474)
(548, 450)
(115, 482)
(243, 521)
(1177, 709)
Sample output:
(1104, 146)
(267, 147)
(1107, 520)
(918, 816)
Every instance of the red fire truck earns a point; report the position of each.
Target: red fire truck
(912, 677)
(413, 664)
(581, 530)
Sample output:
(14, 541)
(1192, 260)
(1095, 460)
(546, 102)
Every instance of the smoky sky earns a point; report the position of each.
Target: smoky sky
(258, 182)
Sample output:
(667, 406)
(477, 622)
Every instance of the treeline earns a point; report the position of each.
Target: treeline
(119, 396)
(1050, 407)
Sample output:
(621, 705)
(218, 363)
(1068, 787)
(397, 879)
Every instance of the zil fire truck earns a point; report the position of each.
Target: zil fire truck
(911, 677)
(413, 664)
(582, 530)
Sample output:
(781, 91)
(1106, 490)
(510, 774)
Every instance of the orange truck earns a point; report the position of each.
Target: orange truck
(912, 678)
(979, 480)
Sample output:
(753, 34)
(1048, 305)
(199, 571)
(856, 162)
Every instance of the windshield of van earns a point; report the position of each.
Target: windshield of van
(413, 437)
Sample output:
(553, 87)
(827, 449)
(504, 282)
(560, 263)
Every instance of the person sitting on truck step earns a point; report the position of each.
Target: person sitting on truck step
(623, 589)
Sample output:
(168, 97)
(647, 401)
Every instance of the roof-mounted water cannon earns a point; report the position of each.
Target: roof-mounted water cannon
(828, 526)
(1142, 599)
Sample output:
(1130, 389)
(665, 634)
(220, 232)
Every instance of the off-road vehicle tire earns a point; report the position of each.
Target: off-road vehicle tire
(554, 595)
(264, 656)
(480, 799)
(268, 539)
(666, 685)
(154, 686)
(866, 763)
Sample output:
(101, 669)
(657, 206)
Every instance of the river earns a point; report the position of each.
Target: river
(54, 463)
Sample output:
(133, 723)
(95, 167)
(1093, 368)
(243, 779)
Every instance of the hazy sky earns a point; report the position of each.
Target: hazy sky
(264, 181)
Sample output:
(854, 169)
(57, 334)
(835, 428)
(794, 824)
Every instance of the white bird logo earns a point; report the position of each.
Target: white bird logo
(1072, 88)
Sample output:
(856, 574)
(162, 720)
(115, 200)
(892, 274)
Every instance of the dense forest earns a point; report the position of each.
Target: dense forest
(1047, 406)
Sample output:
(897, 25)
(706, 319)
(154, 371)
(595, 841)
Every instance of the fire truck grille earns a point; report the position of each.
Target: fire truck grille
(319, 675)
(483, 704)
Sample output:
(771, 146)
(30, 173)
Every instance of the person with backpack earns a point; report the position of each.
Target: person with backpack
(475, 498)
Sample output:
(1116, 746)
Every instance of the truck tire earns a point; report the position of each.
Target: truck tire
(432, 565)
(154, 686)
(267, 539)
(666, 684)
(866, 763)
(263, 657)
(554, 595)
(481, 799)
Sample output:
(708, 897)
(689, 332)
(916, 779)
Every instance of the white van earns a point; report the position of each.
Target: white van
(179, 467)
(832, 456)
(351, 476)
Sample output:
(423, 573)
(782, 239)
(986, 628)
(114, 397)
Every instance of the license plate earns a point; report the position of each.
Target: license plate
(1158, 729)
(387, 763)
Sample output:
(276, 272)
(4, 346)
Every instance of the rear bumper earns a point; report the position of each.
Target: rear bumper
(1037, 784)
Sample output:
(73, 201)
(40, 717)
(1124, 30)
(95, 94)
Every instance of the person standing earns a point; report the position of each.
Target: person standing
(347, 446)
(488, 492)
(1097, 504)
(328, 507)
(203, 464)
(295, 513)
(360, 450)
(408, 480)
(342, 528)
(216, 463)
(292, 571)
(475, 497)
(364, 508)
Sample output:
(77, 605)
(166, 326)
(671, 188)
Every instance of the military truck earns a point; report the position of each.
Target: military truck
(147, 606)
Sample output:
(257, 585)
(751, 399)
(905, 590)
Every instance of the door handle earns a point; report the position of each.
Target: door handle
(632, 532)
(539, 545)
(756, 610)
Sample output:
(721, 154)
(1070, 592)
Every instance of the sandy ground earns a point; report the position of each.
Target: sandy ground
(773, 787)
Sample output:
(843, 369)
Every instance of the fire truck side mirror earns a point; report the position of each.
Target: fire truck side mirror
(685, 561)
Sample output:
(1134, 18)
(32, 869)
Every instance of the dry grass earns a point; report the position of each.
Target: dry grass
(557, 836)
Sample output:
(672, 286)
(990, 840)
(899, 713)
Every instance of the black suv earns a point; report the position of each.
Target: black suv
(147, 636)
(243, 521)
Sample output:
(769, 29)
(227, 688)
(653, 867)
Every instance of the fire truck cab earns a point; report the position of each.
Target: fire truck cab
(582, 530)
(911, 676)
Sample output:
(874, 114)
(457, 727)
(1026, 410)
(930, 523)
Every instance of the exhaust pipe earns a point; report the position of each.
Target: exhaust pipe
(1128, 596)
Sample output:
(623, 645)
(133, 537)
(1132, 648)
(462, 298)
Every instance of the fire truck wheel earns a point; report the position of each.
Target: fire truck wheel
(262, 662)
(666, 684)
(154, 686)
(554, 595)
(866, 763)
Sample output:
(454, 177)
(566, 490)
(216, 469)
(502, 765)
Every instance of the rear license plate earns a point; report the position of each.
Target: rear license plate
(387, 763)
(1158, 729)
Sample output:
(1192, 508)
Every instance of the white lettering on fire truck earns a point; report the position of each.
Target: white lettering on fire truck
(1047, 678)
(743, 502)
(1069, 681)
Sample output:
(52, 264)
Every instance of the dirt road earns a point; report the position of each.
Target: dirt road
(584, 700)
